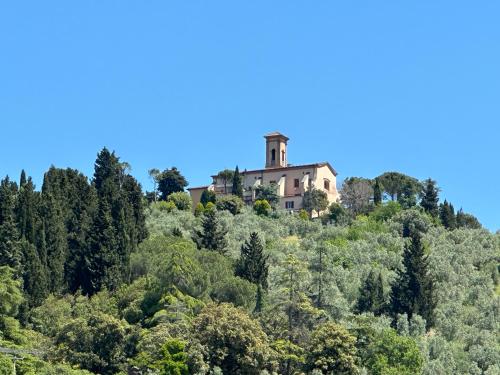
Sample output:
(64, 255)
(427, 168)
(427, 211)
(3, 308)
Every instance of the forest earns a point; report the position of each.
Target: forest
(98, 276)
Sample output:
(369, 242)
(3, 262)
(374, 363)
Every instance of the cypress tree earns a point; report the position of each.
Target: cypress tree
(55, 242)
(34, 275)
(430, 198)
(447, 215)
(102, 261)
(237, 184)
(212, 235)
(252, 264)
(377, 192)
(22, 179)
(371, 297)
(413, 290)
(10, 254)
(26, 206)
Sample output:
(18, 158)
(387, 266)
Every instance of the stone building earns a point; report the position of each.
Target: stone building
(291, 181)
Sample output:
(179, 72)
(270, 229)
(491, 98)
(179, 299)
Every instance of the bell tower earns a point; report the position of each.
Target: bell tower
(276, 156)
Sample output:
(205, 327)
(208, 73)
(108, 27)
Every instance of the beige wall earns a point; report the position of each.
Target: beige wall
(196, 195)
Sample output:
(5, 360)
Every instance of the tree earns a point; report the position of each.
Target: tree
(230, 203)
(226, 175)
(237, 184)
(207, 196)
(103, 263)
(25, 209)
(371, 294)
(447, 215)
(268, 193)
(231, 340)
(95, 343)
(315, 200)
(181, 200)
(154, 173)
(377, 192)
(338, 214)
(11, 296)
(332, 350)
(430, 197)
(212, 235)
(396, 184)
(10, 254)
(56, 244)
(262, 207)
(413, 291)
(35, 283)
(292, 299)
(388, 353)
(252, 264)
(465, 220)
(356, 194)
(174, 358)
(171, 181)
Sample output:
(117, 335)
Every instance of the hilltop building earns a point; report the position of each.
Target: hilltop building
(291, 181)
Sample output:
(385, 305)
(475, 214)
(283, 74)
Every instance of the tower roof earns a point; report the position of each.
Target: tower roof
(276, 135)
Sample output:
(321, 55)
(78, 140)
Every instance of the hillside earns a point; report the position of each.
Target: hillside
(99, 277)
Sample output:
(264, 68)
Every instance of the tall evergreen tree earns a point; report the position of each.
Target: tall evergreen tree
(377, 192)
(447, 215)
(371, 298)
(77, 200)
(10, 254)
(430, 197)
(102, 261)
(55, 242)
(413, 291)
(212, 236)
(26, 207)
(34, 275)
(252, 264)
(237, 184)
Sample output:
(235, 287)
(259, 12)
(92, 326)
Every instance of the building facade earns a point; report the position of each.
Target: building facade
(291, 181)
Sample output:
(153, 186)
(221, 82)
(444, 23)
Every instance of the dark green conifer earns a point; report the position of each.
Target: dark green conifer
(413, 290)
(55, 242)
(371, 297)
(34, 275)
(377, 192)
(26, 207)
(447, 215)
(101, 260)
(237, 184)
(212, 236)
(252, 264)
(10, 254)
(430, 197)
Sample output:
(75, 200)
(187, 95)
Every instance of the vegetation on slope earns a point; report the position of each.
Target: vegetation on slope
(95, 279)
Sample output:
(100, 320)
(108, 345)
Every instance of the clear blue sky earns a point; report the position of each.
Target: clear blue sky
(370, 86)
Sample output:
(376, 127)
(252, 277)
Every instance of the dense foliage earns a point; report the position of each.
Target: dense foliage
(386, 281)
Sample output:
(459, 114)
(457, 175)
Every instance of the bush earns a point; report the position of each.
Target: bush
(181, 200)
(199, 209)
(164, 206)
(262, 207)
(230, 203)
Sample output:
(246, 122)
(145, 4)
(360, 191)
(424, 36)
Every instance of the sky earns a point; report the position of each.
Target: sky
(370, 86)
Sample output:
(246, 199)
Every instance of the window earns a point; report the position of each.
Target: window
(296, 183)
(282, 156)
(327, 185)
(289, 205)
(273, 154)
